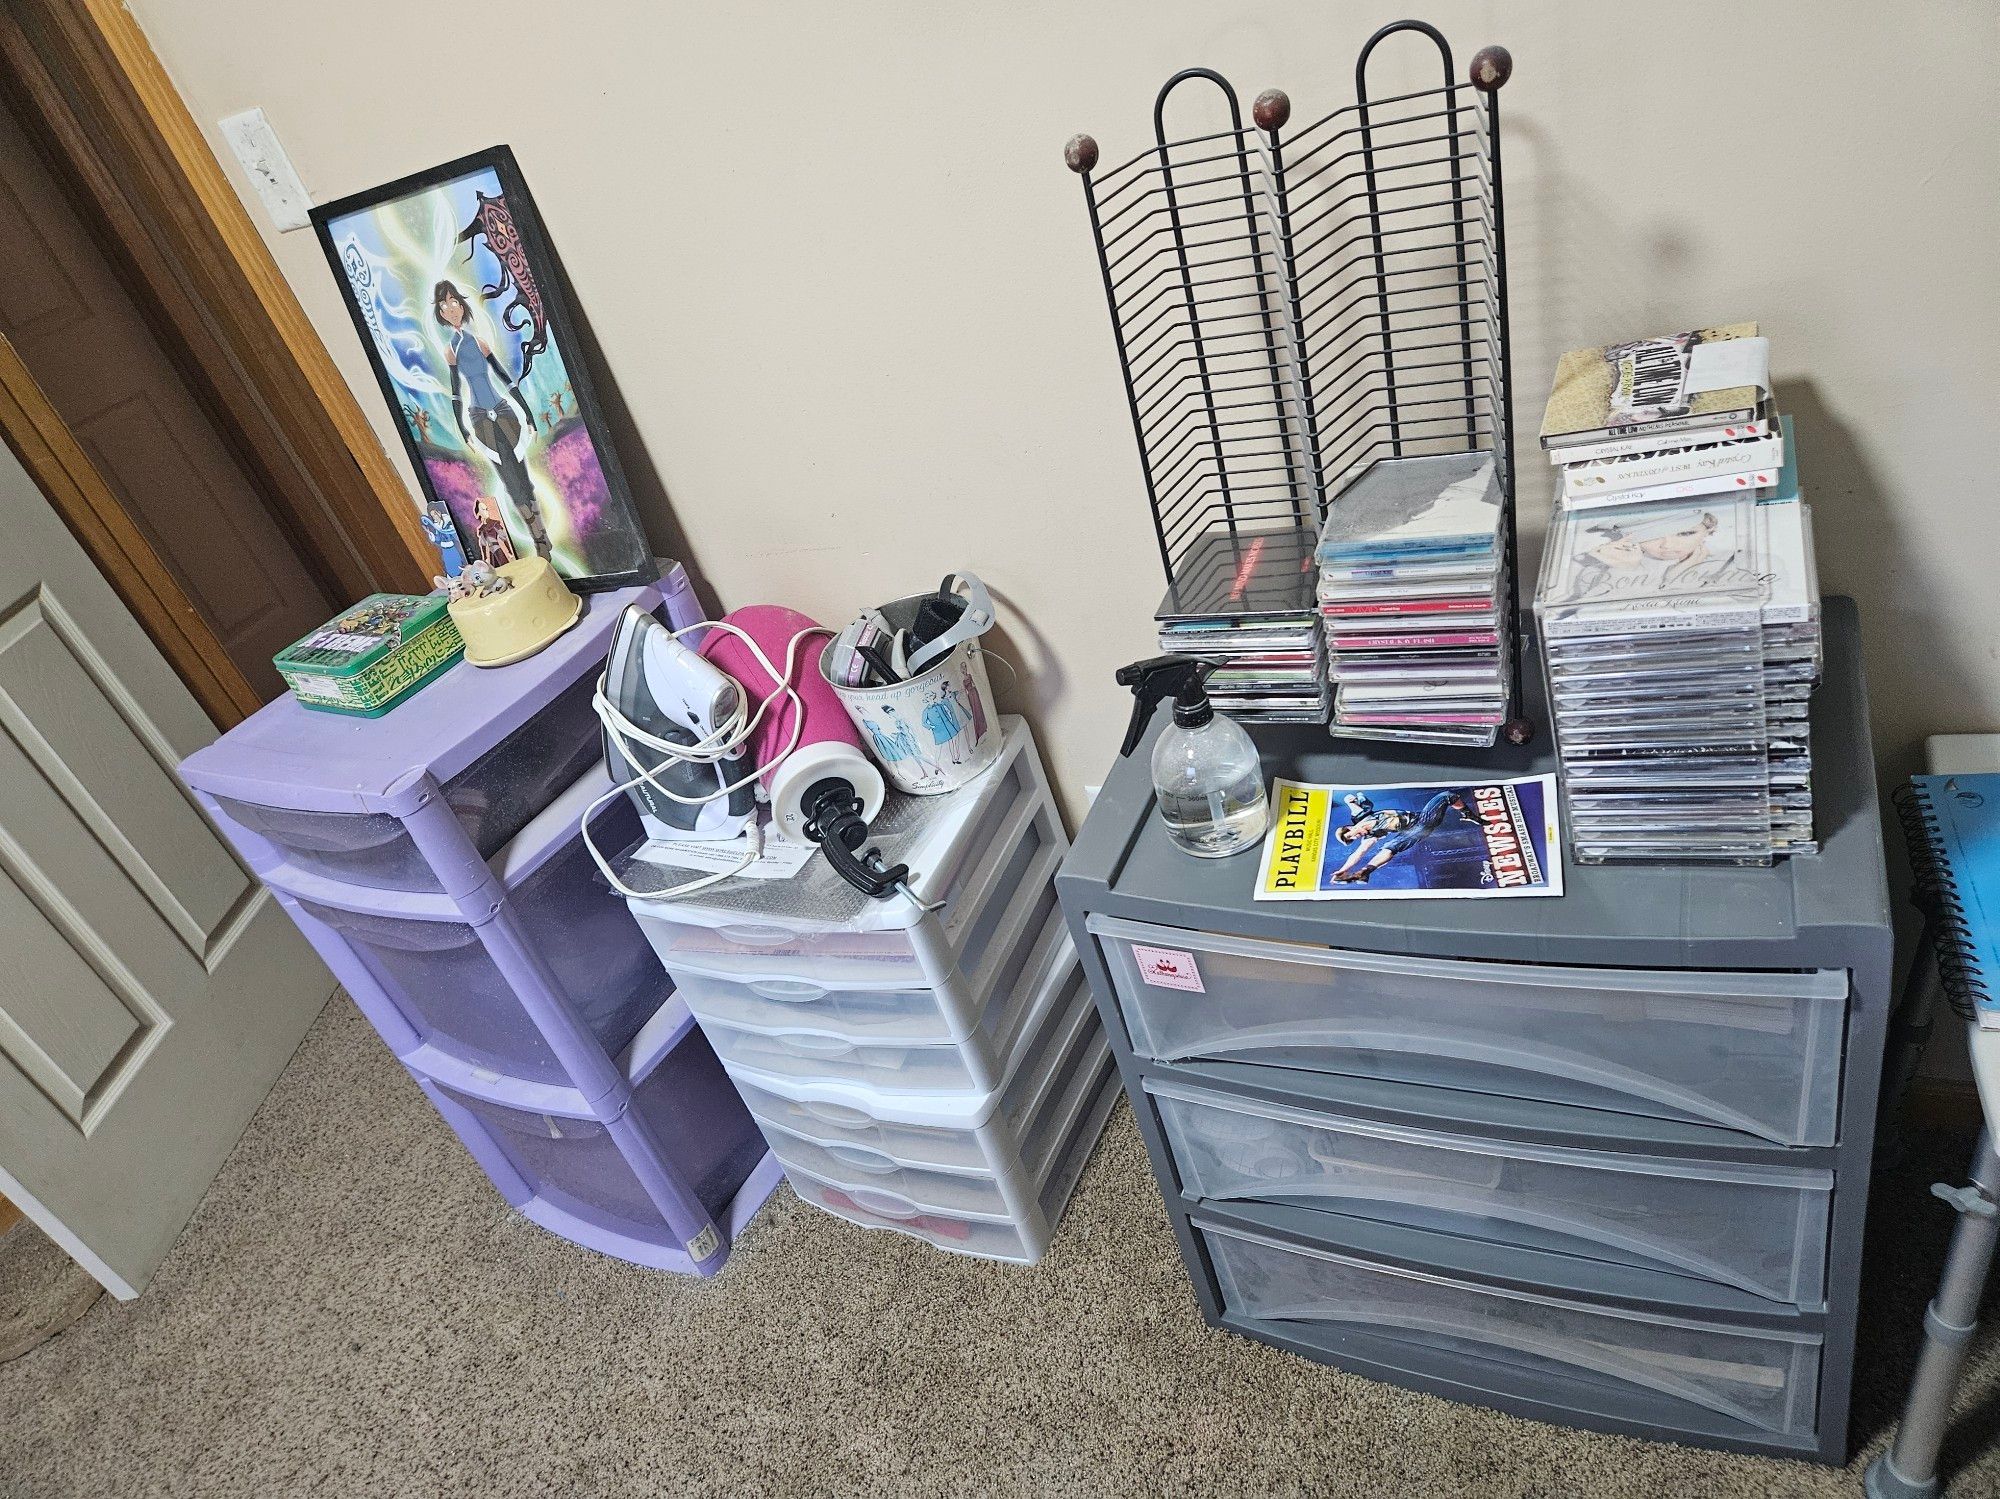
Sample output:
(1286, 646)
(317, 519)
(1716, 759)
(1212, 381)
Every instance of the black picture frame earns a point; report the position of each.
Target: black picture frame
(508, 464)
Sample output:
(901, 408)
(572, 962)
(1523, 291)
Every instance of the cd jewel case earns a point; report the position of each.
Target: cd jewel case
(1681, 641)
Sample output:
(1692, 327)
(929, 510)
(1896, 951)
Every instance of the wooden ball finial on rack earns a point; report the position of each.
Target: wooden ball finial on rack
(1491, 68)
(1080, 153)
(1271, 110)
(1518, 730)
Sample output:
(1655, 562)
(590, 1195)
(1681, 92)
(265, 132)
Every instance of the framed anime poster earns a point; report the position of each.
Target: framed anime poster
(460, 303)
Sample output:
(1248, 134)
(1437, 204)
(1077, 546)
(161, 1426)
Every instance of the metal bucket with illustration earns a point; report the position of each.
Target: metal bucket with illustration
(935, 731)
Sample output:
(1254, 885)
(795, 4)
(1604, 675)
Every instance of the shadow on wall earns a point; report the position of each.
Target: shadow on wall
(1022, 667)
(1913, 660)
(1585, 267)
(642, 476)
(1578, 263)
(1581, 271)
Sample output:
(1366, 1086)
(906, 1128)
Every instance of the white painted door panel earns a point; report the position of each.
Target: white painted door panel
(150, 990)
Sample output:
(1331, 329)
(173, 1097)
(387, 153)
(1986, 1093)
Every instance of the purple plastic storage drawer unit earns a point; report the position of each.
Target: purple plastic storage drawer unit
(667, 1183)
(419, 798)
(488, 1004)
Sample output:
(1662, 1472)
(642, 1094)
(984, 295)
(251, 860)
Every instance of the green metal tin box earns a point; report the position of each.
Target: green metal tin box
(372, 656)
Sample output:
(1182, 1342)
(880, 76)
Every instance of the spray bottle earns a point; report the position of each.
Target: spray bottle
(1206, 772)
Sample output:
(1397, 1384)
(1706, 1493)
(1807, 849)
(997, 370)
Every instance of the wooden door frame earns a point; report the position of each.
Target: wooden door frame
(41, 439)
(100, 106)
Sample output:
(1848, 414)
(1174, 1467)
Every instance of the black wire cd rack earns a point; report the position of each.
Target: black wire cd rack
(1293, 306)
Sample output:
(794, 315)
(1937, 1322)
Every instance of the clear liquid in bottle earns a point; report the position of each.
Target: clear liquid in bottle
(1210, 785)
(1219, 823)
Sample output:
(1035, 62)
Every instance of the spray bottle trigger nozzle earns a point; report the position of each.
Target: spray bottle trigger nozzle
(1153, 681)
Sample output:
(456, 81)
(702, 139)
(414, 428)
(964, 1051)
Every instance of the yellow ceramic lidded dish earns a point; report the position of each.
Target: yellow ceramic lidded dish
(502, 628)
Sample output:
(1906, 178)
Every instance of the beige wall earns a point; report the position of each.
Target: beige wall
(845, 286)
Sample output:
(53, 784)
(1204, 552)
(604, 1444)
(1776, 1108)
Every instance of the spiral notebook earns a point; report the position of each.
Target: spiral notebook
(1953, 825)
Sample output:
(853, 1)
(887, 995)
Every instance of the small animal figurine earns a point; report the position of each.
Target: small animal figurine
(477, 581)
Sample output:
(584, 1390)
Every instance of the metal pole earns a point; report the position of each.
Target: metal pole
(1187, 273)
(1908, 1470)
(1271, 110)
(1381, 278)
(1458, 191)
(1375, 202)
(1081, 156)
(1491, 68)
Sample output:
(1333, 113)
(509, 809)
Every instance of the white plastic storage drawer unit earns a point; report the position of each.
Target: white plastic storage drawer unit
(1021, 1237)
(1760, 1228)
(976, 1064)
(997, 834)
(1764, 1378)
(1757, 1053)
(981, 1132)
(1001, 940)
(1004, 1185)
(979, 1173)
(1019, 1240)
(1011, 1192)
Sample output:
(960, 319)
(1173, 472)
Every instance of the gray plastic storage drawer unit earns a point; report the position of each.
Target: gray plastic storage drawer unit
(1600, 1158)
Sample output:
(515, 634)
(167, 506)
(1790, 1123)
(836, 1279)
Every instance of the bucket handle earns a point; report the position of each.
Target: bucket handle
(975, 619)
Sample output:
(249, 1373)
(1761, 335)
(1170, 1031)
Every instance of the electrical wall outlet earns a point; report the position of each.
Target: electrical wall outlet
(271, 171)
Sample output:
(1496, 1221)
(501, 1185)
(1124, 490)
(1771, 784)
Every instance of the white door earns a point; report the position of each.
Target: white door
(150, 990)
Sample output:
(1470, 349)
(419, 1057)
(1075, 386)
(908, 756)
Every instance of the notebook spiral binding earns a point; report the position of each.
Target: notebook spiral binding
(1935, 892)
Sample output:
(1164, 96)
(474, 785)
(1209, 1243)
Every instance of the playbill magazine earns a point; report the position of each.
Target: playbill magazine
(1417, 840)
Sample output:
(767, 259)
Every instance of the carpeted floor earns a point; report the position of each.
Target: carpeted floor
(353, 1312)
(42, 1290)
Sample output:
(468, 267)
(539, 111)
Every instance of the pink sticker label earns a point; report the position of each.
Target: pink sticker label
(1168, 968)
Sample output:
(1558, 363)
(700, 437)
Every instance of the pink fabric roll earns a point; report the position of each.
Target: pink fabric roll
(772, 626)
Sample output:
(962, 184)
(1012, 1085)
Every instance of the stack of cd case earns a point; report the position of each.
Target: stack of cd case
(1681, 642)
(1412, 577)
(1244, 603)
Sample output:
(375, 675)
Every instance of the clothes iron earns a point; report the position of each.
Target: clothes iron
(668, 720)
(683, 741)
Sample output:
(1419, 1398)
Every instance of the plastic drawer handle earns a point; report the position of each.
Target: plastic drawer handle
(307, 841)
(787, 991)
(815, 1046)
(833, 1113)
(885, 1204)
(394, 933)
(1822, 985)
(1581, 1228)
(1541, 1058)
(755, 936)
(1574, 1349)
(863, 1159)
